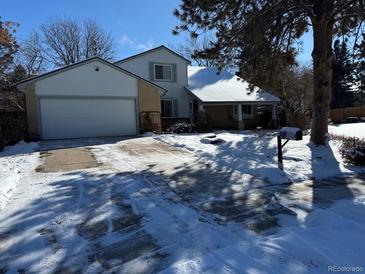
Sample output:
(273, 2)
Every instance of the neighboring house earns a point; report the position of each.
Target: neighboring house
(96, 98)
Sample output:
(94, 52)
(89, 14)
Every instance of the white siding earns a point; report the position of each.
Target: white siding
(176, 90)
(83, 80)
(87, 117)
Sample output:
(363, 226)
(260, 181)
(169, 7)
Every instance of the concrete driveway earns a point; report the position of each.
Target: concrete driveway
(143, 206)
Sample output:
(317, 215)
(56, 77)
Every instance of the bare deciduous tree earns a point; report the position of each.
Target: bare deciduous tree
(31, 55)
(194, 45)
(96, 41)
(296, 96)
(63, 41)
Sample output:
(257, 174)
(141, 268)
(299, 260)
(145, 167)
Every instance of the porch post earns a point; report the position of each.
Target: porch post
(274, 115)
(240, 120)
(274, 112)
(239, 110)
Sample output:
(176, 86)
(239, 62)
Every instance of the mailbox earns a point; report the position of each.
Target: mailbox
(288, 133)
(291, 133)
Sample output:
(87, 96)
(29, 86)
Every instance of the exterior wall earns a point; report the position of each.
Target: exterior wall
(149, 100)
(220, 116)
(251, 122)
(176, 90)
(148, 97)
(84, 80)
(32, 111)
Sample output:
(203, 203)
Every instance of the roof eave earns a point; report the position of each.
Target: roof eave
(239, 102)
(230, 101)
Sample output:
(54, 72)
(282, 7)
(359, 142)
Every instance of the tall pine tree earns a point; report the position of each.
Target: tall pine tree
(262, 36)
(343, 80)
(360, 69)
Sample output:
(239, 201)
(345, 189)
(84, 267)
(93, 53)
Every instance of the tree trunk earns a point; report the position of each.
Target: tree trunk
(322, 70)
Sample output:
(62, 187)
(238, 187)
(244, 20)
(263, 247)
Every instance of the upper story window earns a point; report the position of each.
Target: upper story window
(163, 72)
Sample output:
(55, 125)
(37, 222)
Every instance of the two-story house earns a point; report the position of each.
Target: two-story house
(97, 98)
(167, 69)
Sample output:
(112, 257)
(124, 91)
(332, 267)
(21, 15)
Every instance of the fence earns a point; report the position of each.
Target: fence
(339, 114)
(13, 128)
(150, 121)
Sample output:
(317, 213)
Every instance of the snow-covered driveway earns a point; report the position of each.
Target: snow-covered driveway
(151, 207)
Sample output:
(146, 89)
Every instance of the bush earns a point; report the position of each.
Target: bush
(13, 128)
(352, 150)
(181, 128)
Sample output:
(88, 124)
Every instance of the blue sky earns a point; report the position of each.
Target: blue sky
(136, 25)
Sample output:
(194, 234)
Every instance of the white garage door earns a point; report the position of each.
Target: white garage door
(87, 117)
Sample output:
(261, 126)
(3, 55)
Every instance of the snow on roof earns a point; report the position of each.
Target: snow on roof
(208, 86)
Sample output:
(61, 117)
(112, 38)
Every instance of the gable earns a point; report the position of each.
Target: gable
(141, 65)
(94, 78)
(148, 52)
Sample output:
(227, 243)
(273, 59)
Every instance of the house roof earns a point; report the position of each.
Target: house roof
(210, 87)
(21, 84)
(154, 49)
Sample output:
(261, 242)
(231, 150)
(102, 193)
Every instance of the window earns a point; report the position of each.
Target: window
(166, 108)
(193, 106)
(246, 110)
(163, 72)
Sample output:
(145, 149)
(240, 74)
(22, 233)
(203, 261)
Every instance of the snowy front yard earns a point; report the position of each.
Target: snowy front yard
(255, 153)
(174, 204)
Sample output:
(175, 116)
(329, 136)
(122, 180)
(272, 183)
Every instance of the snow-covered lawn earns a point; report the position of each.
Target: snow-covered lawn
(351, 130)
(255, 153)
(15, 162)
(126, 216)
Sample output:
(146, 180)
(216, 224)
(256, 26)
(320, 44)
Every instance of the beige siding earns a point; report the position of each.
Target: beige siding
(148, 97)
(149, 100)
(32, 111)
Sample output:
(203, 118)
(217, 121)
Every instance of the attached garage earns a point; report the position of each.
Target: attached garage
(93, 98)
(87, 117)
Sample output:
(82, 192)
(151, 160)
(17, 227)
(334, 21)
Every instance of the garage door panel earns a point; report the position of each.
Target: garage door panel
(87, 117)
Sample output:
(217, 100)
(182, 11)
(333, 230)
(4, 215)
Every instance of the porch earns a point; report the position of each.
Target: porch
(240, 115)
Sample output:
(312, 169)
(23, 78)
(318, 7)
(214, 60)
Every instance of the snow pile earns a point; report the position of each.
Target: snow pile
(211, 139)
(15, 162)
(350, 130)
(250, 153)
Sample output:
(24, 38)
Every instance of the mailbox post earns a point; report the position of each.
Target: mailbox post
(288, 133)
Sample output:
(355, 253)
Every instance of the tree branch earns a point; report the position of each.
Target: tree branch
(307, 8)
(341, 8)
